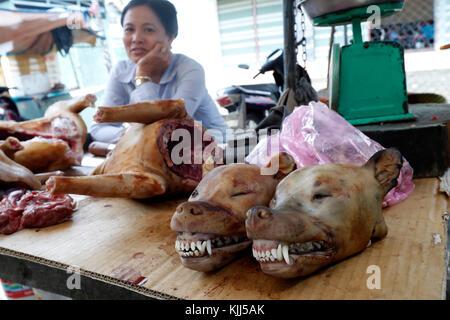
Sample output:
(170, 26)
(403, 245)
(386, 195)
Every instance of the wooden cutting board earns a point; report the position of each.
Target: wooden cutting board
(131, 240)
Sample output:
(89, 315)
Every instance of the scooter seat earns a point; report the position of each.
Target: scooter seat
(266, 89)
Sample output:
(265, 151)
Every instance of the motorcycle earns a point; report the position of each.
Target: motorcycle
(8, 108)
(253, 102)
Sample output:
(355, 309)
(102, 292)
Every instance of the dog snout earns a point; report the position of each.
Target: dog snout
(189, 208)
(259, 213)
(258, 220)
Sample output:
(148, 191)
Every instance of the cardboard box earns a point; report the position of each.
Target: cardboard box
(2, 78)
(26, 72)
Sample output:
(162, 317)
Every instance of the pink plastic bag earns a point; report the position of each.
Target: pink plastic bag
(315, 134)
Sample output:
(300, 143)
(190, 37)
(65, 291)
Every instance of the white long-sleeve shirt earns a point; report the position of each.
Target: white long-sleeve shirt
(185, 78)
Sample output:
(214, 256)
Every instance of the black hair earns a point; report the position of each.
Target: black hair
(163, 9)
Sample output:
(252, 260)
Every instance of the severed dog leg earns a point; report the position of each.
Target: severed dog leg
(123, 185)
(144, 112)
(75, 105)
(10, 146)
(13, 173)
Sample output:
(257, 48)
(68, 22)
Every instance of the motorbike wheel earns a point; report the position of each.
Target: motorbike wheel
(8, 110)
(253, 119)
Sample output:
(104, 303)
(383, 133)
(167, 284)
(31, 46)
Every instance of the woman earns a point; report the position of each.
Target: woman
(153, 72)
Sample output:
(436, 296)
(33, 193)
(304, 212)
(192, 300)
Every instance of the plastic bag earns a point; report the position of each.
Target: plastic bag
(315, 134)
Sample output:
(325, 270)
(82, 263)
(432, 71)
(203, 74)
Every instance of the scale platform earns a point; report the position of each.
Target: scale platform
(367, 82)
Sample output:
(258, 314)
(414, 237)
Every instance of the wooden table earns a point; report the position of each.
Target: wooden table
(124, 248)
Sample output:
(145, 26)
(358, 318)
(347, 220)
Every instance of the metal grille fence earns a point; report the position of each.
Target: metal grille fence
(421, 28)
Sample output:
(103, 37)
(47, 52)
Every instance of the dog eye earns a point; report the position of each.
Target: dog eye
(239, 193)
(194, 193)
(320, 196)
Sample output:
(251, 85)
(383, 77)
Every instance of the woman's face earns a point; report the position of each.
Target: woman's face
(142, 29)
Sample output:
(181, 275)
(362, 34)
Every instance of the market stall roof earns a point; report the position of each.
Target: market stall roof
(30, 31)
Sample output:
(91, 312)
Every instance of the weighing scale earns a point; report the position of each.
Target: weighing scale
(367, 82)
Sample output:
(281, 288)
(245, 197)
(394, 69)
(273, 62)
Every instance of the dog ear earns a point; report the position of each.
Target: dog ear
(280, 165)
(386, 165)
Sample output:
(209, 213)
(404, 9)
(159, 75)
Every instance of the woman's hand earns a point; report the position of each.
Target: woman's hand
(155, 62)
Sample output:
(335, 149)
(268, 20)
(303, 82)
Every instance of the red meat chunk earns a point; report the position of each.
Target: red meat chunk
(33, 209)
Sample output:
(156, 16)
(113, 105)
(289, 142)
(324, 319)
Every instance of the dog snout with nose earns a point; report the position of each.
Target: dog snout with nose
(259, 213)
(189, 208)
(258, 220)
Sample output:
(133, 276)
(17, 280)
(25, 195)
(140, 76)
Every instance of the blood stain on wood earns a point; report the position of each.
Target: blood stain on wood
(138, 255)
(129, 274)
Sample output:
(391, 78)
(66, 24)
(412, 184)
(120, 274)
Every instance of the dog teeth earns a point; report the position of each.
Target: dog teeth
(186, 247)
(286, 254)
(279, 253)
(275, 254)
(208, 247)
(194, 248)
(306, 247)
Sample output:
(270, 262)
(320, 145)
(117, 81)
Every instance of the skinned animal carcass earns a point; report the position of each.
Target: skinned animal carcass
(321, 214)
(23, 204)
(146, 161)
(211, 224)
(53, 142)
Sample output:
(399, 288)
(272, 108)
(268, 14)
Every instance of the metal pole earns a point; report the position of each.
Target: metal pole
(357, 34)
(290, 44)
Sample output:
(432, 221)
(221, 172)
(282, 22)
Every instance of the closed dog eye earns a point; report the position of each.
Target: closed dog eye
(320, 196)
(240, 193)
